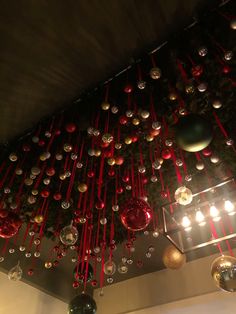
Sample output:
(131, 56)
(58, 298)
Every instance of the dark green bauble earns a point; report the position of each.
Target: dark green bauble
(80, 273)
(193, 133)
(82, 304)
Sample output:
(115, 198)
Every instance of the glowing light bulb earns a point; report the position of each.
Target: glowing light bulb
(214, 212)
(229, 207)
(186, 223)
(200, 219)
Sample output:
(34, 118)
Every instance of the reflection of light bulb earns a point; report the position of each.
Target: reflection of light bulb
(229, 207)
(186, 223)
(214, 212)
(200, 219)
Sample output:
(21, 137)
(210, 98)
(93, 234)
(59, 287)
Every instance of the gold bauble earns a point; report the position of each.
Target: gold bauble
(18, 171)
(62, 176)
(135, 121)
(105, 105)
(97, 152)
(35, 171)
(43, 157)
(38, 219)
(189, 89)
(82, 187)
(172, 96)
(173, 258)
(28, 181)
(34, 192)
(67, 147)
(160, 160)
(155, 73)
(111, 161)
(149, 138)
(223, 271)
(144, 114)
(31, 199)
(128, 140)
(48, 265)
(13, 157)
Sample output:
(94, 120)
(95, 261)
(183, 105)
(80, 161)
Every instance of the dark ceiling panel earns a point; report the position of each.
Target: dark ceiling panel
(51, 51)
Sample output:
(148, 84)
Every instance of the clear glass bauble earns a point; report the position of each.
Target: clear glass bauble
(183, 195)
(69, 235)
(109, 268)
(15, 273)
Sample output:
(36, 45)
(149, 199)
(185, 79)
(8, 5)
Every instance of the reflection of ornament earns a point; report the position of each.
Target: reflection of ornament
(172, 258)
(183, 195)
(15, 273)
(109, 268)
(9, 224)
(82, 304)
(223, 271)
(193, 133)
(136, 214)
(122, 268)
(69, 235)
(80, 272)
(155, 73)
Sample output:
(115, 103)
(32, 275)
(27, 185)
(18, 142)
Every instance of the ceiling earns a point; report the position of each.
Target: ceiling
(52, 51)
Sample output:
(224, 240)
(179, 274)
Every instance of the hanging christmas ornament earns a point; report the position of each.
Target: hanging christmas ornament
(15, 273)
(109, 268)
(122, 268)
(128, 88)
(223, 271)
(202, 87)
(202, 51)
(81, 273)
(38, 219)
(233, 24)
(69, 235)
(193, 133)
(105, 105)
(82, 304)
(136, 214)
(155, 73)
(107, 138)
(141, 84)
(9, 224)
(197, 70)
(214, 159)
(200, 165)
(173, 96)
(70, 127)
(114, 109)
(173, 258)
(166, 154)
(183, 195)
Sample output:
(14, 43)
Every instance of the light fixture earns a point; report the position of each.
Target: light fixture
(186, 223)
(200, 218)
(214, 212)
(229, 207)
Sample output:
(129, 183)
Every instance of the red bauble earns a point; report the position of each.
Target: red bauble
(206, 152)
(125, 179)
(41, 143)
(26, 147)
(123, 120)
(30, 272)
(45, 193)
(120, 190)
(166, 154)
(75, 284)
(134, 138)
(57, 196)
(3, 213)
(119, 160)
(90, 174)
(50, 171)
(154, 132)
(57, 132)
(136, 214)
(197, 70)
(107, 154)
(111, 172)
(70, 127)
(94, 283)
(164, 194)
(145, 180)
(104, 144)
(9, 225)
(128, 88)
(226, 69)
